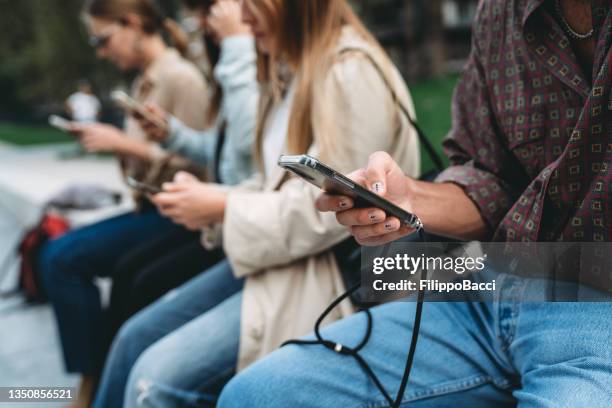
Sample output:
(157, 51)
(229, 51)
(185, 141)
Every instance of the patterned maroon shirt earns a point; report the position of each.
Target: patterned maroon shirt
(531, 142)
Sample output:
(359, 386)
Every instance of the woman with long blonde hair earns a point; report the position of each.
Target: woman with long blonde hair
(330, 91)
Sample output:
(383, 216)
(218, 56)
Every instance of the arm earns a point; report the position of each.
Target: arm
(136, 148)
(100, 137)
(198, 146)
(236, 73)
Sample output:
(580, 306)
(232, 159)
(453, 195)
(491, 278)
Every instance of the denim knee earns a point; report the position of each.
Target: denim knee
(269, 383)
(153, 383)
(243, 390)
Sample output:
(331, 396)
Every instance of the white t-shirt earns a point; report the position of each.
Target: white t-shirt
(275, 134)
(84, 107)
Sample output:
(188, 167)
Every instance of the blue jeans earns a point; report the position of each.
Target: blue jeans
(67, 267)
(179, 351)
(501, 353)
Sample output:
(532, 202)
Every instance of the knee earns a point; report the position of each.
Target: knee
(243, 390)
(157, 379)
(129, 341)
(141, 380)
(269, 383)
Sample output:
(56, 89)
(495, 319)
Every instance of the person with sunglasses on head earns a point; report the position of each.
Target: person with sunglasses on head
(531, 162)
(127, 33)
(328, 89)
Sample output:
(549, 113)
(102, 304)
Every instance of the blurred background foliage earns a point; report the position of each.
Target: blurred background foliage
(44, 53)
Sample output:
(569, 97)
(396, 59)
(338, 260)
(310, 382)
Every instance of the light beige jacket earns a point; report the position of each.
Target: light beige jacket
(272, 233)
(178, 87)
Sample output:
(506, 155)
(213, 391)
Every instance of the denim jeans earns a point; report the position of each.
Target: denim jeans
(179, 351)
(67, 267)
(503, 353)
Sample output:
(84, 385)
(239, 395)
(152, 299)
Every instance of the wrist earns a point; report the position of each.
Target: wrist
(222, 203)
(413, 192)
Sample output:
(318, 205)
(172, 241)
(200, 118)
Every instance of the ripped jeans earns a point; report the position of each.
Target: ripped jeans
(181, 350)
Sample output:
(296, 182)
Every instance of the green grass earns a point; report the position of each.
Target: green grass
(433, 104)
(24, 135)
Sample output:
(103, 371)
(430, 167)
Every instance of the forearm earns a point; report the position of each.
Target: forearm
(198, 146)
(446, 210)
(135, 148)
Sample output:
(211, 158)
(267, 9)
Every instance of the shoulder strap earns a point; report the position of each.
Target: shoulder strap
(435, 157)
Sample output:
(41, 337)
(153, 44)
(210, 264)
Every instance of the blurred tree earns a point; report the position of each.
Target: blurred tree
(43, 54)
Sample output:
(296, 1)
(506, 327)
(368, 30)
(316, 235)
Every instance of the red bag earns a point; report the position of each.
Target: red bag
(50, 226)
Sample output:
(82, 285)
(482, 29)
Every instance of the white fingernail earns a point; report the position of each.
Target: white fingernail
(377, 187)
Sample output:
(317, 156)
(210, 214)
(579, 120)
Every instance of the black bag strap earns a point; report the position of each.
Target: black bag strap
(218, 150)
(431, 152)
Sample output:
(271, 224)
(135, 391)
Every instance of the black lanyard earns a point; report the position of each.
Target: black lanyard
(354, 351)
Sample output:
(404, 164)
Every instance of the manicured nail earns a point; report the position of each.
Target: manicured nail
(344, 204)
(389, 226)
(377, 187)
(373, 217)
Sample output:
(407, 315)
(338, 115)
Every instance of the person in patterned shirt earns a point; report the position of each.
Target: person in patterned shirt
(531, 153)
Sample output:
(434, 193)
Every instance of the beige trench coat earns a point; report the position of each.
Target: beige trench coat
(272, 233)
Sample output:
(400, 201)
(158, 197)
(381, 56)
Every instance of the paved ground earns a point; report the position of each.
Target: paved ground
(29, 350)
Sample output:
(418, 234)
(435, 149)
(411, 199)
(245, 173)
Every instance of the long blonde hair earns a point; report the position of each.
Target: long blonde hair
(306, 32)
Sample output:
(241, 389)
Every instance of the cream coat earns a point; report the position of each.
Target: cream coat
(272, 233)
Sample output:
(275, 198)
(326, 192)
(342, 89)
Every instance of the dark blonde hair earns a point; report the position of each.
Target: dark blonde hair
(305, 31)
(153, 17)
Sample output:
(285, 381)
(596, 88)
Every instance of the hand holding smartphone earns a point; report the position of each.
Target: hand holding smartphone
(142, 187)
(335, 183)
(134, 107)
(62, 124)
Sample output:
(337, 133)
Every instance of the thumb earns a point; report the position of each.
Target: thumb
(154, 109)
(173, 187)
(379, 165)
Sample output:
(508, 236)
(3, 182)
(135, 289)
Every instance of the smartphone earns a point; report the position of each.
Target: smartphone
(143, 187)
(60, 123)
(333, 182)
(130, 104)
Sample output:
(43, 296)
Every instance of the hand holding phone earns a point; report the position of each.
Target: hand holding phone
(62, 124)
(373, 218)
(142, 187)
(136, 108)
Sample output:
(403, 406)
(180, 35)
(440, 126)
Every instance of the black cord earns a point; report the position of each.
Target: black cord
(354, 351)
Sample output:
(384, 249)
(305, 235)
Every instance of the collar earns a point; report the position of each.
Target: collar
(600, 9)
(530, 7)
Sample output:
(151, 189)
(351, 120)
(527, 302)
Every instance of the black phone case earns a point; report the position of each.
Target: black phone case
(333, 182)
